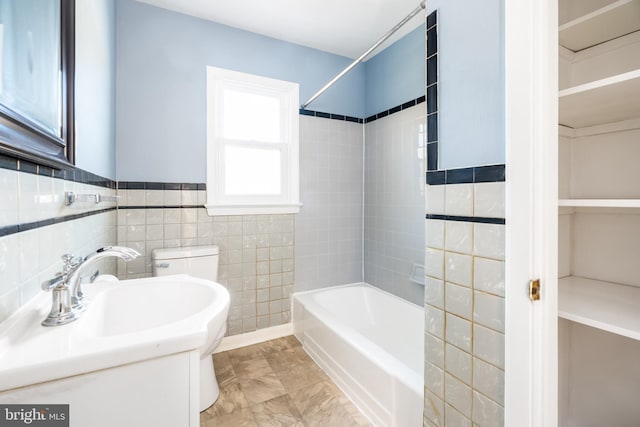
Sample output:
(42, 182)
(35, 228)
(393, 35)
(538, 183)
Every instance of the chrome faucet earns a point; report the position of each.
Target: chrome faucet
(68, 300)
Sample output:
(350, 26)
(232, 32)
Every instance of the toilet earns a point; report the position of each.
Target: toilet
(200, 262)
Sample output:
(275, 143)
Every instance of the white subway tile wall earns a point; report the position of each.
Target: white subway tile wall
(464, 307)
(489, 200)
(434, 200)
(458, 199)
(28, 258)
(256, 258)
(394, 238)
(433, 409)
(329, 225)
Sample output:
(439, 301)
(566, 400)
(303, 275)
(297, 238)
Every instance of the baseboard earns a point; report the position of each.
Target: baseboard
(255, 337)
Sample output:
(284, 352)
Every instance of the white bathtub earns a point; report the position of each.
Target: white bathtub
(371, 344)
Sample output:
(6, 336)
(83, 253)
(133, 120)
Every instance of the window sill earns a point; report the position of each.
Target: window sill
(215, 210)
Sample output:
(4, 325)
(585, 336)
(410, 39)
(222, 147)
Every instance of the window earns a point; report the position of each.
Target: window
(252, 144)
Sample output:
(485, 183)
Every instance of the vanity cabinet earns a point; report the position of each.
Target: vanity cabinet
(160, 392)
(599, 213)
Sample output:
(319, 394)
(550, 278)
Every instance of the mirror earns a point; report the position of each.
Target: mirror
(36, 80)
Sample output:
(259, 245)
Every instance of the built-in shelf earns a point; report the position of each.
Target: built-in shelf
(608, 306)
(615, 20)
(600, 203)
(613, 99)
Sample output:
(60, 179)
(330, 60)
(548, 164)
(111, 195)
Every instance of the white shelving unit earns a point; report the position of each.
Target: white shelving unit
(600, 203)
(608, 306)
(613, 99)
(615, 20)
(599, 214)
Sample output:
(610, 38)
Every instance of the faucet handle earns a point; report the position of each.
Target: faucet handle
(70, 262)
(58, 279)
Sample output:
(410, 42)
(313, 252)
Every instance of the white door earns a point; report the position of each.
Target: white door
(531, 212)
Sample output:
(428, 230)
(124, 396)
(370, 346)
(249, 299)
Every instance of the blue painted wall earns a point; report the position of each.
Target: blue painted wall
(95, 86)
(396, 75)
(162, 56)
(161, 80)
(471, 79)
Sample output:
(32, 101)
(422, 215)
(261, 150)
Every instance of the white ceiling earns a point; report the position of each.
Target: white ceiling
(343, 27)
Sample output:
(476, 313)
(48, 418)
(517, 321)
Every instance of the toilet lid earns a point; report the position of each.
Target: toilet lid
(184, 252)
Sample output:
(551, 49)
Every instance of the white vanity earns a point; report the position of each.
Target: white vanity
(132, 359)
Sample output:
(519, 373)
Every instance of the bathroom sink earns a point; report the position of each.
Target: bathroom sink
(152, 303)
(125, 322)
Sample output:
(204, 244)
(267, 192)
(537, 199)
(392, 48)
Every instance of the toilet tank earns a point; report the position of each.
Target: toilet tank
(197, 261)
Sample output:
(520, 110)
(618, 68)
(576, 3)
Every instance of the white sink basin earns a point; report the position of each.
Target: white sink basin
(125, 322)
(146, 305)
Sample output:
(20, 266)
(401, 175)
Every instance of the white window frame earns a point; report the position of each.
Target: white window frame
(219, 203)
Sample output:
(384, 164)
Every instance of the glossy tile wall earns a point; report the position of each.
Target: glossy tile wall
(36, 228)
(394, 202)
(256, 262)
(464, 304)
(329, 226)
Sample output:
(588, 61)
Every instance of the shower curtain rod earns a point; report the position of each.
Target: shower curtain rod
(417, 10)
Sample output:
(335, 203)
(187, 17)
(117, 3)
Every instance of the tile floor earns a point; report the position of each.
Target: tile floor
(275, 383)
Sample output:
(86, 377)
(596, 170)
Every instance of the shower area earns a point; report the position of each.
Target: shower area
(362, 221)
(362, 184)
(360, 239)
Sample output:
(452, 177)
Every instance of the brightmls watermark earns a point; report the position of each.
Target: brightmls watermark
(34, 415)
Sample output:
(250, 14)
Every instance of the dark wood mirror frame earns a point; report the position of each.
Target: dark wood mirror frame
(20, 137)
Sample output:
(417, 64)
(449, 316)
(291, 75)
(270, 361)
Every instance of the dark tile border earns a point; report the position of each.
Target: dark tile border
(141, 185)
(431, 57)
(395, 109)
(18, 228)
(369, 119)
(312, 113)
(162, 207)
(476, 219)
(75, 175)
(79, 175)
(172, 186)
(472, 175)
(153, 186)
(8, 163)
(28, 167)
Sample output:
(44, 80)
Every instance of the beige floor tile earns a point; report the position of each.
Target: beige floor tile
(333, 417)
(246, 353)
(280, 411)
(221, 359)
(342, 398)
(225, 375)
(301, 376)
(261, 389)
(358, 417)
(280, 344)
(293, 341)
(231, 399)
(241, 418)
(286, 359)
(314, 398)
(254, 368)
(360, 420)
(320, 407)
(277, 384)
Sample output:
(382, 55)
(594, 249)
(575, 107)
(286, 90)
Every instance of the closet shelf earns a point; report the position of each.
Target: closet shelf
(608, 306)
(615, 20)
(600, 203)
(613, 99)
